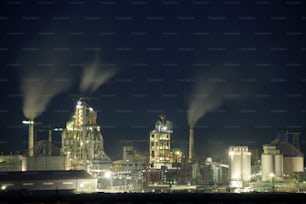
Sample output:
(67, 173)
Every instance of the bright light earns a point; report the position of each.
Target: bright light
(271, 175)
(231, 153)
(3, 188)
(107, 175)
(27, 122)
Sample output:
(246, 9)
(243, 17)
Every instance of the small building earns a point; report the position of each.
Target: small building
(74, 180)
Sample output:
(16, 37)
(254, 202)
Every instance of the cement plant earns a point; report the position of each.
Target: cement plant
(81, 165)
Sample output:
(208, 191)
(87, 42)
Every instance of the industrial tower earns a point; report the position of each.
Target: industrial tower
(160, 152)
(82, 141)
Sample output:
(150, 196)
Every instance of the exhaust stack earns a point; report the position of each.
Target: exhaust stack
(191, 144)
(50, 142)
(31, 139)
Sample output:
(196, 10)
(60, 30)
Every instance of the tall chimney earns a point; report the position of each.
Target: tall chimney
(31, 139)
(50, 142)
(191, 144)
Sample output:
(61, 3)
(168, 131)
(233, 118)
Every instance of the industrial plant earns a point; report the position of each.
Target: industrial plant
(82, 165)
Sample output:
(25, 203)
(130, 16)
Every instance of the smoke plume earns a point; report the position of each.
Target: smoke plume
(208, 94)
(95, 75)
(39, 86)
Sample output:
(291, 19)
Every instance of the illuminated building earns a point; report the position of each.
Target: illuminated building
(271, 163)
(160, 139)
(82, 142)
(164, 163)
(239, 166)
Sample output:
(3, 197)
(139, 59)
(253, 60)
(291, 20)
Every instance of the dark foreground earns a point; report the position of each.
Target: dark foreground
(152, 198)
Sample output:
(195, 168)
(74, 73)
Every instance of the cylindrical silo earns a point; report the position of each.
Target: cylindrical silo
(267, 166)
(246, 166)
(278, 165)
(235, 165)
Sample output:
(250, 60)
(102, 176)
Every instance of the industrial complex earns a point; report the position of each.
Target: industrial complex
(82, 165)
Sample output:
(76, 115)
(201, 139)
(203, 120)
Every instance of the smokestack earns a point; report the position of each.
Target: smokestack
(50, 142)
(191, 144)
(31, 139)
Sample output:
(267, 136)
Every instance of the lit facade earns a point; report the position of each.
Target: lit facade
(239, 166)
(160, 139)
(82, 142)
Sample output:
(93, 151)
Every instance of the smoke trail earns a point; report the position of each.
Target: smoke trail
(94, 76)
(39, 87)
(208, 94)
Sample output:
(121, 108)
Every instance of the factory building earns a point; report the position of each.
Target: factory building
(293, 158)
(75, 181)
(160, 139)
(239, 166)
(213, 173)
(271, 163)
(128, 174)
(82, 142)
(164, 163)
(41, 160)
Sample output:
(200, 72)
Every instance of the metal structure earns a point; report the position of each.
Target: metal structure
(160, 152)
(82, 141)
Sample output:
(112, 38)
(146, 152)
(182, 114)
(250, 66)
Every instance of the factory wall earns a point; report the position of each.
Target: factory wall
(43, 163)
(10, 163)
(48, 180)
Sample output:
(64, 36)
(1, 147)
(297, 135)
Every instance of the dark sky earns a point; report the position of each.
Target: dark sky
(159, 48)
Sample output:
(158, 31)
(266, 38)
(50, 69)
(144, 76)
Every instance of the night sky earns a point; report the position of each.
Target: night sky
(254, 50)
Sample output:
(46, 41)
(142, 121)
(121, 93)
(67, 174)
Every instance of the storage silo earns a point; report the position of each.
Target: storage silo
(293, 158)
(239, 165)
(278, 165)
(271, 163)
(266, 166)
(293, 161)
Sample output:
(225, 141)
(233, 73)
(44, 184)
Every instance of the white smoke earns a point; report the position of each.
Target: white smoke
(39, 86)
(208, 94)
(95, 75)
